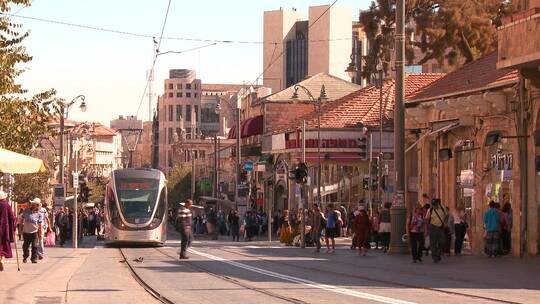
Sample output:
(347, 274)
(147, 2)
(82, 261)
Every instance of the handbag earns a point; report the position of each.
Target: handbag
(50, 239)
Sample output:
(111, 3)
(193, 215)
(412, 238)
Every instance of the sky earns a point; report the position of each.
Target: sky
(110, 69)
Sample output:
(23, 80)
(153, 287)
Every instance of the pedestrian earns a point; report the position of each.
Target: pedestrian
(460, 228)
(449, 233)
(45, 227)
(285, 231)
(502, 226)
(234, 222)
(506, 234)
(375, 229)
(362, 228)
(332, 228)
(437, 218)
(31, 231)
(425, 209)
(491, 230)
(7, 229)
(415, 231)
(62, 222)
(319, 222)
(385, 226)
(185, 219)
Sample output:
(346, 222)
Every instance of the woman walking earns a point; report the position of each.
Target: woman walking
(362, 227)
(415, 231)
(460, 228)
(285, 231)
(385, 227)
(507, 229)
(491, 227)
(7, 229)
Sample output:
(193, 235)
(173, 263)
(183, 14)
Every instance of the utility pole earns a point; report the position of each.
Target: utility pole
(303, 185)
(75, 229)
(216, 182)
(398, 210)
(192, 174)
(238, 147)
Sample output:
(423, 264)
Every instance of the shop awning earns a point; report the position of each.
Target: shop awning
(249, 127)
(311, 157)
(15, 163)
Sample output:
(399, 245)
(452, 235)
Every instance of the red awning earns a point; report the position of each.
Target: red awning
(311, 157)
(232, 133)
(249, 127)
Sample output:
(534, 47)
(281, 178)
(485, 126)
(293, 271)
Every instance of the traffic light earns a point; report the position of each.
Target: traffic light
(365, 183)
(299, 174)
(362, 147)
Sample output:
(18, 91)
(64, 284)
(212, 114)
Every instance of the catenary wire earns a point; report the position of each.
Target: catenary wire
(155, 57)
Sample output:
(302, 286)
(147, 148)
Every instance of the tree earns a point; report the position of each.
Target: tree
(22, 120)
(179, 185)
(451, 31)
(97, 191)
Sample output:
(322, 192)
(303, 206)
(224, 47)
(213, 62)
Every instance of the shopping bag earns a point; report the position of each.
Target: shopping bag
(50, 239)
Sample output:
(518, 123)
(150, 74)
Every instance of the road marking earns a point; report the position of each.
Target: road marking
(352, 293)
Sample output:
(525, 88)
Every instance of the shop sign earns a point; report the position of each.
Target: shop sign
(466, 178)
(502, 161)
(325, 143)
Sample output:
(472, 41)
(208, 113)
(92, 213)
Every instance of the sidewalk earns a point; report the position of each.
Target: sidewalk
(68, 275)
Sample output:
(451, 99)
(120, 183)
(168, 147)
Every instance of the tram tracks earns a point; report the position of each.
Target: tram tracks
(193, 265)
(367, 278)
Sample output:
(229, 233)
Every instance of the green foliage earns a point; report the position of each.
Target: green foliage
(451, 31)
(97, 191)
(179, 185)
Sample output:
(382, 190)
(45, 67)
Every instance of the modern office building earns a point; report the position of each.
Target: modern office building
(297, 46)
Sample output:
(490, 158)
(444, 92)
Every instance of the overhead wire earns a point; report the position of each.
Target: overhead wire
(142, 35)
(155, 57)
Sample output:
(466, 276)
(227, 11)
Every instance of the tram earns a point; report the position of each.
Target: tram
(136, 207)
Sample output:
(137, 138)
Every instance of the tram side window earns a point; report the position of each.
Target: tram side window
(162, 206)
(113, 209)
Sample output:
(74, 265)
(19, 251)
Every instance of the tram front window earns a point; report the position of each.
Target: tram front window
(137, 198)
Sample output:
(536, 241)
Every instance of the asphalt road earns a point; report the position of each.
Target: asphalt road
(224, 272)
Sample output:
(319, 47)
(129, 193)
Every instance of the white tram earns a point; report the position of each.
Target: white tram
(136, 207)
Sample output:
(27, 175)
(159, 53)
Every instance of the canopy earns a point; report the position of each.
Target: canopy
(15, 163)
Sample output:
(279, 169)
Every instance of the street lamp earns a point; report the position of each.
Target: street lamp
(317, 102)
(64, 112)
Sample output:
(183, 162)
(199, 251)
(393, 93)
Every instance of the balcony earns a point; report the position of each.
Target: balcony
(519, 41)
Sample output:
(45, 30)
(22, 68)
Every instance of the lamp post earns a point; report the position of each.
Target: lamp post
(398, 210)
(317, 102)
(64, 112)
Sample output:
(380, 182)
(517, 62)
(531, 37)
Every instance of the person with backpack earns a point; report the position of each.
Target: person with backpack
(332, 228)
(385, 226)
(319, 222)
(437, 219)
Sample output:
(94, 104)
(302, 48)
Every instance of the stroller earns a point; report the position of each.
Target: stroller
(310, 241)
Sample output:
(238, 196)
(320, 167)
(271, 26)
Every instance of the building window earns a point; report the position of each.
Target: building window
(188, 113)
(178, 86)
(188, 86)
(178, 112)
(179, 95)
(170, 86)
(196, 110)
(171, 95)
(202, 154)
(195, 95)
(170, 136)
(195, 86)
(170, 113)
(188, 133)
(188, 94)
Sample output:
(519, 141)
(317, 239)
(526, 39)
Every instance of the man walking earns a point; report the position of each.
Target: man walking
(437, 218)
(318, 221)
(234, 222)
(184, 219)
(31, 230)
(62, 221)
(331, 228)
